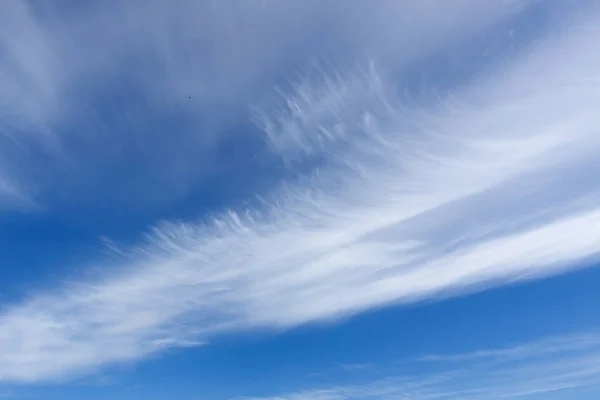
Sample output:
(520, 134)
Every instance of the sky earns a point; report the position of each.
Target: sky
(300, 200)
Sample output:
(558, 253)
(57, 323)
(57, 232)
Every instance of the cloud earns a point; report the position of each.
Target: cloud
(547, 347)
(7, 191)
(89, 91)
(408, 203)
(537, 370)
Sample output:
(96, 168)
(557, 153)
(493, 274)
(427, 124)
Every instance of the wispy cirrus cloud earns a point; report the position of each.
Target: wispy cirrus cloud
(376, 225)
(7, 191)
(89, 91)
(548, 369)
(548, 347)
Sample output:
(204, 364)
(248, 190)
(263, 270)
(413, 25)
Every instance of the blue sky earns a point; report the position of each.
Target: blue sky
(299, 200)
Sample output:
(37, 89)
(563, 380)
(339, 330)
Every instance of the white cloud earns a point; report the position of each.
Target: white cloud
(535, 371)
(85, 88)
(411, 204)
(546, 347)
(7, 191)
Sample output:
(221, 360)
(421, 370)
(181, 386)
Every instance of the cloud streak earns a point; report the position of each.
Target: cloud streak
(408, 203)
(538, 370)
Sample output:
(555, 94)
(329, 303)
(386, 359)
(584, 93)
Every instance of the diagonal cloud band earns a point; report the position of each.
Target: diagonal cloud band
(408, 204)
